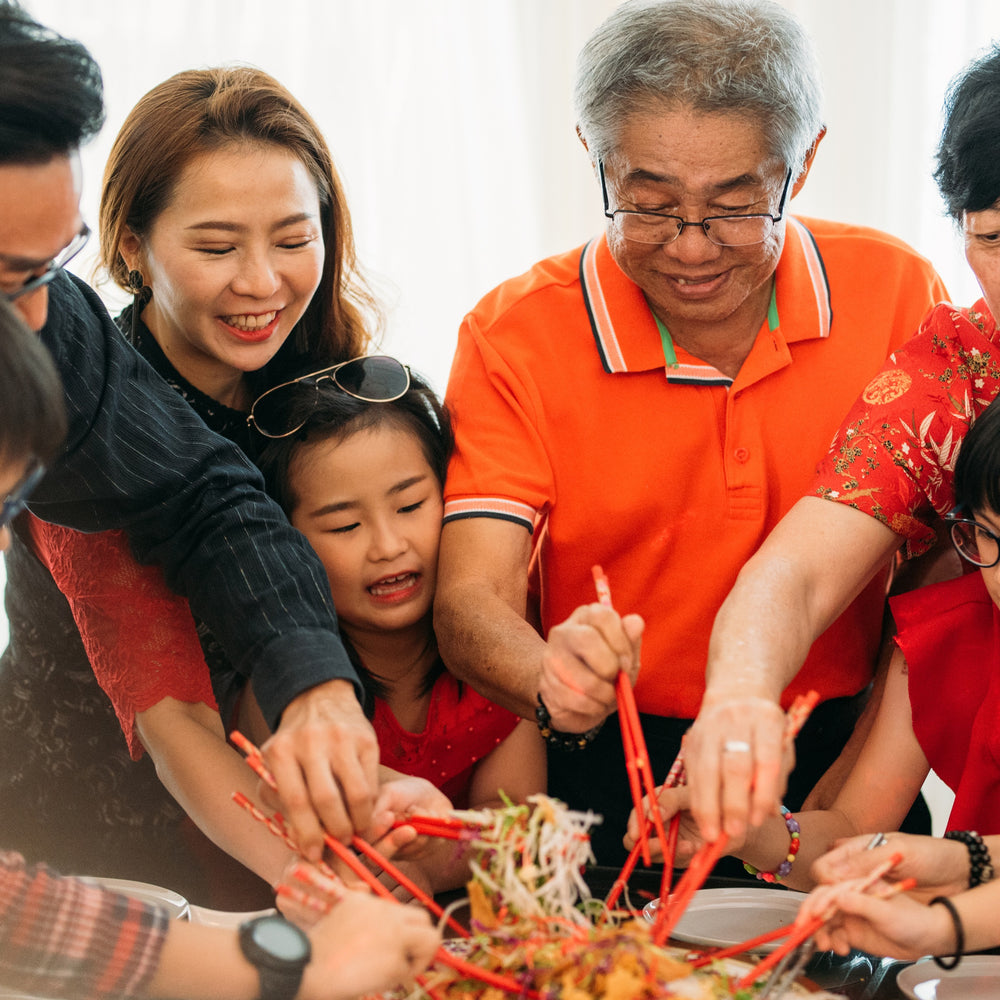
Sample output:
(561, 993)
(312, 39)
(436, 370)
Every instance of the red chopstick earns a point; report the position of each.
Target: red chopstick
(254, 758)
(636, 755)
(370, 852)
(472, 971)
(447, 827)
(691, 881)
(623, 876)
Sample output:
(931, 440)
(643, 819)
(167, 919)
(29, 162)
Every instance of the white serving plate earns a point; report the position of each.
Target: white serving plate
(717, 918)
(976, 978)
(172, 901)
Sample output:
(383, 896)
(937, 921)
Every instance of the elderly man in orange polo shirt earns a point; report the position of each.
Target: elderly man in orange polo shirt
(656, 400)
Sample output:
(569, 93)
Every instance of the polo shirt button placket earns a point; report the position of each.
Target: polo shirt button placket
(742, 455)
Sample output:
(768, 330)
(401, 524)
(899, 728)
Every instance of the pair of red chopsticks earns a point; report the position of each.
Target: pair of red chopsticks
(446, 827)
(640, 772)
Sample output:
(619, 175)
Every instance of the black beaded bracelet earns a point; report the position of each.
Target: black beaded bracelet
(558, 739)
(980, 862)
(959, 933)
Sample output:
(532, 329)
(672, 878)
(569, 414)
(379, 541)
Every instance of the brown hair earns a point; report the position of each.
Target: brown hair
(198, 111)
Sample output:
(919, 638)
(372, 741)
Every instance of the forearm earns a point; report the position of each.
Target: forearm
(812, 565)
(203, 963)
(753, 653)
(201, 771)
(489, 645)
(768, 845)
(828, 787)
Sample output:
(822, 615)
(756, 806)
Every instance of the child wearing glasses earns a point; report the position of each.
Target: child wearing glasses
(939, 710)
(362, 479)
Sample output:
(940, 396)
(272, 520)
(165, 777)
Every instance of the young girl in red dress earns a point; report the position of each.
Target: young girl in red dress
(362, 479)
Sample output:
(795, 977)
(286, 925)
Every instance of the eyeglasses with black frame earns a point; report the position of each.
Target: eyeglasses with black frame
(53, 267)
(723, 230)
(374, 378)
(973, 541)
(17, 499)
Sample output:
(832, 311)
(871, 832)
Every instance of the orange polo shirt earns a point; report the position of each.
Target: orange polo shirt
(569, 422)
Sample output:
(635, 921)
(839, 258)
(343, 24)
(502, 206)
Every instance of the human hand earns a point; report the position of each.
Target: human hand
(672, 802)
(367, 945)
(737, 762)
(304, 893)
(582, 658)
(941, 867)
(898, 927)
(324, 759)
(400, 796)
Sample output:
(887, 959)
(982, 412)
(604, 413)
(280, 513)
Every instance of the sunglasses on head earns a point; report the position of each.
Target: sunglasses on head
(374, 378)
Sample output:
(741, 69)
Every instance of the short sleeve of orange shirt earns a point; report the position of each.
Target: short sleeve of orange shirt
(894, 455)
(570, 423)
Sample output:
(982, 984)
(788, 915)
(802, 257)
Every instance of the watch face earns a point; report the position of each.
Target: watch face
(281, 939)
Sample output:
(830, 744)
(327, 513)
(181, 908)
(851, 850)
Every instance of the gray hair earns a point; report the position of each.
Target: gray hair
(746, 57)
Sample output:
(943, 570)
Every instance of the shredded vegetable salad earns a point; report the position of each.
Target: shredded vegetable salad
(533, 921)
(528, 860)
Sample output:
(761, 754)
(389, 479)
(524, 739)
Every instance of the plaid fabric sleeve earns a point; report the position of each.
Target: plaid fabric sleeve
(62, 937)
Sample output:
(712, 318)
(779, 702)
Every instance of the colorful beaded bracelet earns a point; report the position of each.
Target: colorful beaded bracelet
(795, 842)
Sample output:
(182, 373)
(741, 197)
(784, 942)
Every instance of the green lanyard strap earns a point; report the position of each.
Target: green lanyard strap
(670, 355)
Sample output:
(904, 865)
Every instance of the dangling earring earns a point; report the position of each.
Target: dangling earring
(135, 285)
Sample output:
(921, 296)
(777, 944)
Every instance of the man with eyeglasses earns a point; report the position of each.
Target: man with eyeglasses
(138, 458)
(655, 401)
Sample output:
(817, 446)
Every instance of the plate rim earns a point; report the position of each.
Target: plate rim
(167, 897)
(750, 894)
(915, 971)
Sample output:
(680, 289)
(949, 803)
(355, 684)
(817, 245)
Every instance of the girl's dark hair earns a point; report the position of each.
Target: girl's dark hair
(968, 155)
(32, 405)
(977, 469)
(330, 414)
(327, 412)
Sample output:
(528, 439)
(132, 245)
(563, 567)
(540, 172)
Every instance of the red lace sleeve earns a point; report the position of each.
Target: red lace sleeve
(140, 636)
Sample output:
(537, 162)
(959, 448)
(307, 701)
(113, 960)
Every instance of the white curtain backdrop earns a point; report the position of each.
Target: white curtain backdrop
(450, 122)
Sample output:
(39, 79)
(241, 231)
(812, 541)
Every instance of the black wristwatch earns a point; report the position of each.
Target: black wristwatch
(280, 951)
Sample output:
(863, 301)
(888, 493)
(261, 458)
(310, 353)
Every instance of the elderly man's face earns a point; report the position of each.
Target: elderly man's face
(694, 165)
(39, 216)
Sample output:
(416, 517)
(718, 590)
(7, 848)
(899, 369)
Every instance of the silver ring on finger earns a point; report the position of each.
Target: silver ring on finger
(736, 746)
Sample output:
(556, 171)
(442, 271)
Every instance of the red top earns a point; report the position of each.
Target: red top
(569, 422)
(894, 455)
(60, 937)
(462, 728)
(950, 635)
